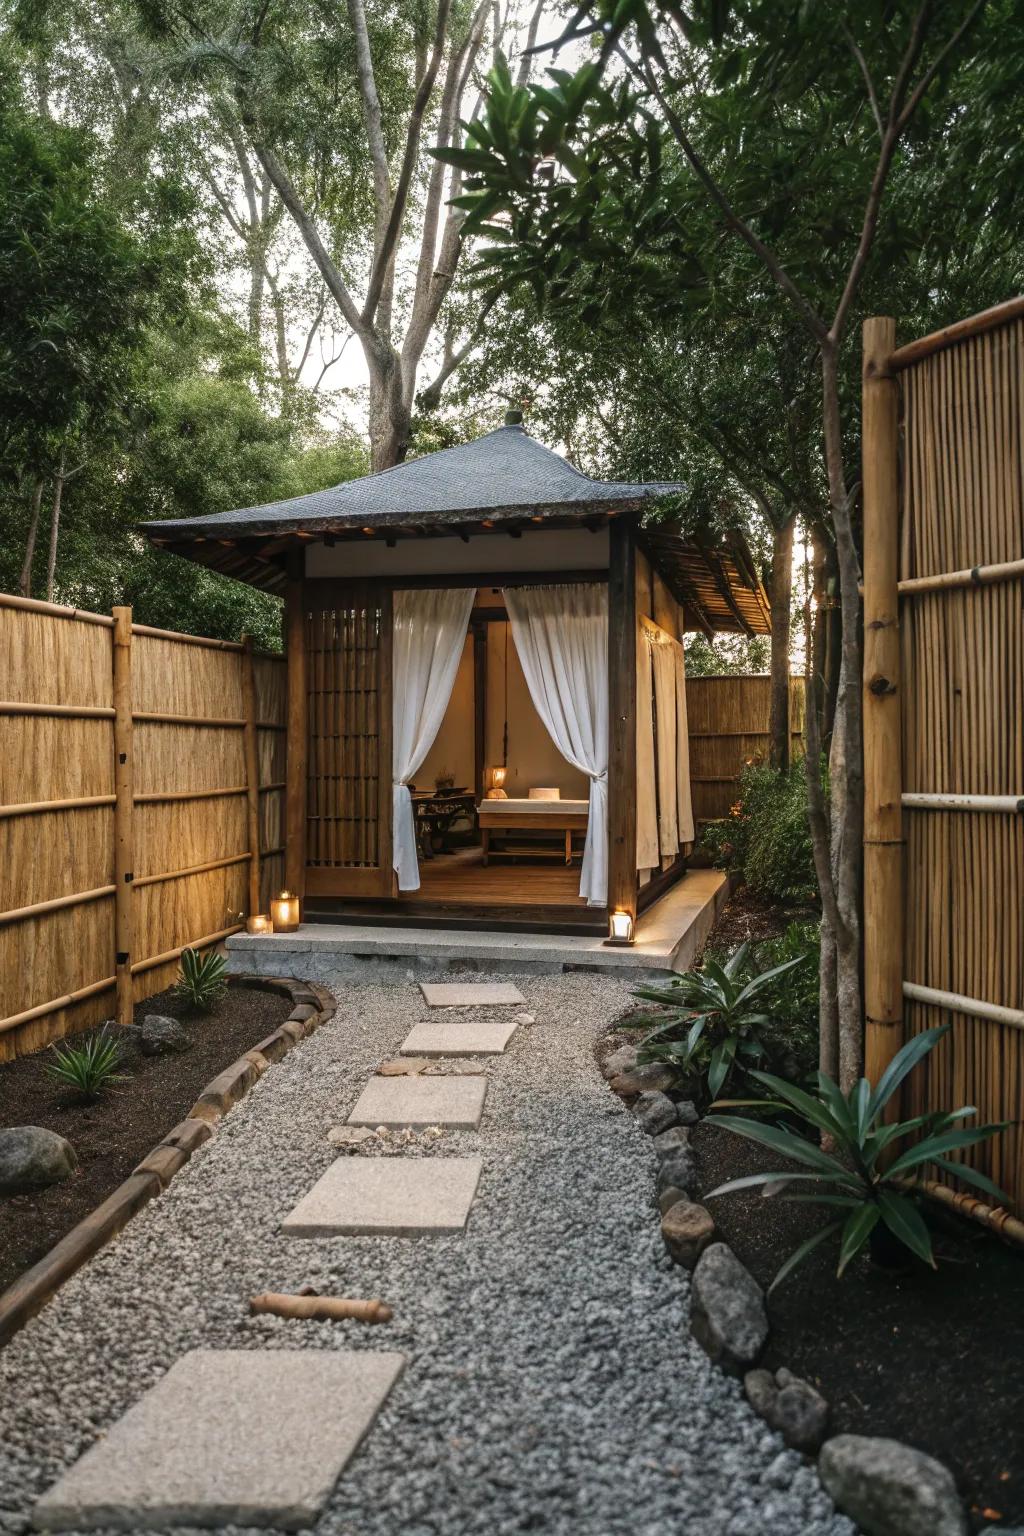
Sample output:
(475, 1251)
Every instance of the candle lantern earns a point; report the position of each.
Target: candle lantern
(284, 911)
(259, 922)
(620, 928)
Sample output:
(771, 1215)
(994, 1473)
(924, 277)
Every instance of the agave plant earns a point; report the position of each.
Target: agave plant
(875, 1194)
(202, 980)
(89, 1068)
(719, 1013)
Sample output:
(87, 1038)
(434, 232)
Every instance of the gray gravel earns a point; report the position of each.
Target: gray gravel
(551, 1384)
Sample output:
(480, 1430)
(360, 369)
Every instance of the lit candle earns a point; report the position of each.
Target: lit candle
(497, 789)
(284, 910)
(620, 928)
(259, 923)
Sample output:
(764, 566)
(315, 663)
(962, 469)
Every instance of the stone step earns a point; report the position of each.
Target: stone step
(387, 1197)
(458, 1037)
(457, 1102)
(227, 1437)
(470, 994)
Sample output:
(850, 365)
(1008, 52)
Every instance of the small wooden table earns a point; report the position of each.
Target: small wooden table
(555, 820)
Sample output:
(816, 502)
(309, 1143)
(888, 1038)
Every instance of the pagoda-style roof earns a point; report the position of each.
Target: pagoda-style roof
(503, 482)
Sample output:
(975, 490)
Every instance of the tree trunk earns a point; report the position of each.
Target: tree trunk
(781, 596)
(25, 582)
(51, 561)
(390, 419)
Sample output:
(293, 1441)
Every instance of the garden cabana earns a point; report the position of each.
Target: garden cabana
(486, 607)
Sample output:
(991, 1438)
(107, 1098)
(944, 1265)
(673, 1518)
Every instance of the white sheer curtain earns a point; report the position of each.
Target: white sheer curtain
(561, 635)
(429, 633)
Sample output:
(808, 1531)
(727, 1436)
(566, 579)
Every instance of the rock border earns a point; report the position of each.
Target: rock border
(311, 1006)
(886, 1487)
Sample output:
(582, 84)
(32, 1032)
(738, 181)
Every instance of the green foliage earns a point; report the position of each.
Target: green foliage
(852, 1179)
(716, 1017)
(766, 837)
(792, 1003)
(202, 980)
(88, 1069)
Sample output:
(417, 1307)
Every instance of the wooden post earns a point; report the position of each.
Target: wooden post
(297, 737)
(479, 709)
(124, 856)
(252, 772)
(883, 766)
(622, 634)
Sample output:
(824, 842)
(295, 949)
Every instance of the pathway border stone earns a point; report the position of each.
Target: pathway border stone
(312, 1006)
(387, 1197)
(205, 1445)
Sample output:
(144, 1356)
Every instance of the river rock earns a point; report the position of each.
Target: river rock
(653, 1075)
(686, 1112)
(687, 1229)
(790, 1405)
(679, 1169)
(666, 1142)
(160, 1035)
(727, 1316)
(654, 1112)
(670, 1197)
(621, 1060)
(31, 1157)
(890, 1489)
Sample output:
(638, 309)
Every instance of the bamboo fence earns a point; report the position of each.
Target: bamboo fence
(957, 679)
(141, 794)
(728, 720)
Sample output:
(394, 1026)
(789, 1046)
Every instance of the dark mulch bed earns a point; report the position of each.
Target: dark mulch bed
(113, 1134)
(747, 916)
(933, 1359)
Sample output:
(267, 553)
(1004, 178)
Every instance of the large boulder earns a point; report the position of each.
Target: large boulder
(32, 1157)
(160, 1035)
(727, 1316)
(687, 1229)
(654, 1112)
(889, 1489)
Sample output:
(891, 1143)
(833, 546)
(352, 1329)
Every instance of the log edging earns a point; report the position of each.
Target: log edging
(311, 1007)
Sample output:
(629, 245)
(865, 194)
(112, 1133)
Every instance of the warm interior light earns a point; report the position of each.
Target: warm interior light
(620, 928)
(259, 923)
(284, 910)
(497, 789)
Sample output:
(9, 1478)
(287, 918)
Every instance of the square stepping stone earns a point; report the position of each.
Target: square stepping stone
(470, 994)
(421, 1101)
(458, 1037)
(227, 1437)
(387, 1196)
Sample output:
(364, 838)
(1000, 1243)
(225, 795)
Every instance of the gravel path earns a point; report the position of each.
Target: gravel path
(551, 1383)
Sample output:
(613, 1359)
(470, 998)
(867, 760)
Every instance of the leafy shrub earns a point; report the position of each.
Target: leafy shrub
(88, 1069)
(766, 836)
(873, 1200)
(715, 1017)
(202, 980)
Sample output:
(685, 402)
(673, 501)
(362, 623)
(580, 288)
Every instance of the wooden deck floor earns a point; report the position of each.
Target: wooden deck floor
(462, 877)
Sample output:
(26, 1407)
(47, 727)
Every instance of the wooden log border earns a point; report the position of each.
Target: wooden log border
(311, 1007)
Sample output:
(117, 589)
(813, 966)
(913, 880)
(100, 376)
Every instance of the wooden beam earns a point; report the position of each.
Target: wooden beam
(622, 641)
(883, 768)
(297, 738)
(124, 811)
(950, 335)
(327, 591)
(252, 773)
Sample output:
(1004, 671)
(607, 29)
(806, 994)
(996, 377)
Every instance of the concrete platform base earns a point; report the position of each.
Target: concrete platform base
(227, 1437)
(669, 935)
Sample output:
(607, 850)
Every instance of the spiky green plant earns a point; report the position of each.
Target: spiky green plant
(90, 1068)
(202, 980)
(875, 1194)
(715, 1017)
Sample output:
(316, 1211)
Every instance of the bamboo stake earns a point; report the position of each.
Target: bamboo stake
(321, 1308)
(883, 820)
(123, 813)
(252, 773)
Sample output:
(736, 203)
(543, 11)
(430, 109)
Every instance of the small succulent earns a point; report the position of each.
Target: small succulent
(90, 1068)
(202, 980)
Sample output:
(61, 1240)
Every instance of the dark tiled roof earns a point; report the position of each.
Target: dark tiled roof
(504, 472)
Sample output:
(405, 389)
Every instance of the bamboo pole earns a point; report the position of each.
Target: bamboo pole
(1004, 804)
(321, 1308)
(40, 1011)
(55, 610)
(123, 813)
(297, 745)
(970, 1007)
(883, 816)
(55, 904)
(192, 869)
(161, 717)
(58, 711)
(970, 576)
(38, 807)
(961, 330)
(183, 639)
(208, 939)
(252, 773)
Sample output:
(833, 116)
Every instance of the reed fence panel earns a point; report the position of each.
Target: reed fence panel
(961, 622)
(186, 842)
(728, 728)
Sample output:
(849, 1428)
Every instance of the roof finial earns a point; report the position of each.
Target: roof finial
(513, 418)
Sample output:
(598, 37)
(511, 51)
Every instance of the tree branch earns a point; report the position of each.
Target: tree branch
(869, 83)
(429, 398)
(371, 114)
